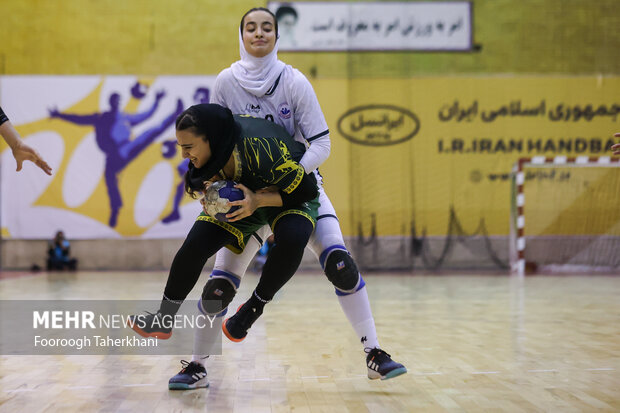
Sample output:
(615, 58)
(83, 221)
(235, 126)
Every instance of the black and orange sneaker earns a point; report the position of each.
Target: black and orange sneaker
(236, 327)
(154, 325)
(381, 366)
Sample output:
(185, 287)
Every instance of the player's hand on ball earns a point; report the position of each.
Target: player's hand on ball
(217, 197)
(247, 205)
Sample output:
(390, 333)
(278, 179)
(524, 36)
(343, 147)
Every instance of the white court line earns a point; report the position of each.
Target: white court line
(263, 379)
(355, 377)
(311, 378)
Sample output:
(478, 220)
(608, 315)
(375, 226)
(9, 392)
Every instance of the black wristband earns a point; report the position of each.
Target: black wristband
(3, 117)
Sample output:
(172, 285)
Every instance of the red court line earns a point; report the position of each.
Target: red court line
(17, 274)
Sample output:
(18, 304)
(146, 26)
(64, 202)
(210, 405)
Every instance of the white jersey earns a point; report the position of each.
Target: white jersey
(291, 103)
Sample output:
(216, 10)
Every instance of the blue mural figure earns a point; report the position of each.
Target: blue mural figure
(113, 136)
(169, 150)
(138, 90)
(201, 95)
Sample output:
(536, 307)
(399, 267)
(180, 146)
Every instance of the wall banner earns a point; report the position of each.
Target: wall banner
(405, 153)
(411, 152)
(117, 171)
(346, 26)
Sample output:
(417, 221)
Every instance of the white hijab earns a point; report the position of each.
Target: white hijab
(257, 74)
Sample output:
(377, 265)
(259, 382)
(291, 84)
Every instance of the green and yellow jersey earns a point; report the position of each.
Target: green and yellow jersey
(265, 155)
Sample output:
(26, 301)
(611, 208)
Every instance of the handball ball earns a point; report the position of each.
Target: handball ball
(216, 197)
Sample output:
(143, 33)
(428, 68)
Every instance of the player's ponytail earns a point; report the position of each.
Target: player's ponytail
(188, 186)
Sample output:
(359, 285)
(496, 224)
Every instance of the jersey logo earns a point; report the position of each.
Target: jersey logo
(252, 108)
(283, 111)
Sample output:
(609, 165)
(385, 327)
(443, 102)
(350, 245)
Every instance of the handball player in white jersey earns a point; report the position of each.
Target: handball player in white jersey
(260, 85)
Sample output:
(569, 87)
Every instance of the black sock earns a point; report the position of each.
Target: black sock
(169, 307)
(257, 302)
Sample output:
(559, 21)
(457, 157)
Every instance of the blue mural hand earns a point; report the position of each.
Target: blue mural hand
(53, 112)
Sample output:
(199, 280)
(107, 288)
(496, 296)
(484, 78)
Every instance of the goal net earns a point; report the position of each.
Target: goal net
(565, 215)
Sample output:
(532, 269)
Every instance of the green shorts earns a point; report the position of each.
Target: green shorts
(243, 229)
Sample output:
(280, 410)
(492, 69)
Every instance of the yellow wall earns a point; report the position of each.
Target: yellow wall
(552, 39)
(419, 180)
(200, 37)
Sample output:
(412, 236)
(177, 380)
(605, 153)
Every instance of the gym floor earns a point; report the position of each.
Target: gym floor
(470, 342)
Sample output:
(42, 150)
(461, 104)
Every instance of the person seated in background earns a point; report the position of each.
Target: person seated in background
(58, 254)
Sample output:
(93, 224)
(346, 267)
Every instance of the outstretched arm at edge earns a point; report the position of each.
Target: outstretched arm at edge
(21, 151)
